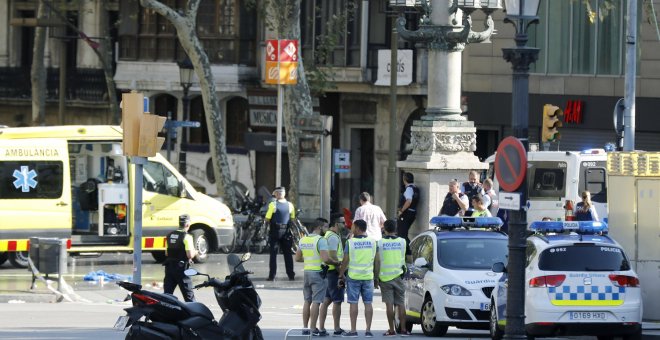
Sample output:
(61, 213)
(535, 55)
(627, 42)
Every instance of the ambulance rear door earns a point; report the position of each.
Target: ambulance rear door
(35, 188)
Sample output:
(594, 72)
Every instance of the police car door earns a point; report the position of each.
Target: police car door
(35, 188)
(421, 248)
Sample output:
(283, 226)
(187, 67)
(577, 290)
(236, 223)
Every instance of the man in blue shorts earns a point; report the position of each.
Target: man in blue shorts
(359, 257)
(334, 294)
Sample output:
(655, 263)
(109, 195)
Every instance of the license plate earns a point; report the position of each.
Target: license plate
(120, 325)
(588, 316)
(485, 306)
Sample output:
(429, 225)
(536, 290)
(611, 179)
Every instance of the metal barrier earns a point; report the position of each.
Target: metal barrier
(48, 256)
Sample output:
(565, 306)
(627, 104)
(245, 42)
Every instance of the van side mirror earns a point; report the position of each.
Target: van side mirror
(420, 262)
(498, 267)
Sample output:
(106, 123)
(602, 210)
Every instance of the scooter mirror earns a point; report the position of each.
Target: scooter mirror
(190, 272)
(246, 256)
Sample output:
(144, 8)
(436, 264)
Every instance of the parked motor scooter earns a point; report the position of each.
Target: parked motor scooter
(163, 316)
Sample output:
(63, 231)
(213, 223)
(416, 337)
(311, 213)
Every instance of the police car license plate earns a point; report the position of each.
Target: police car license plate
(588, 316)
(120, 325)
(485, 306)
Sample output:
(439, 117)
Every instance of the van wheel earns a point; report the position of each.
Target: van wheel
(159, 256)
(495, 332)
(3, 258)
(19, 259)
(430, 326)
(201, 245)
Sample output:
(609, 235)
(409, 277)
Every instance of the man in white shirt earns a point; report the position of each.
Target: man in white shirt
(372, 214)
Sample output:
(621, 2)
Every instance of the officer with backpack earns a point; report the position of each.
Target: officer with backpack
(180, 252)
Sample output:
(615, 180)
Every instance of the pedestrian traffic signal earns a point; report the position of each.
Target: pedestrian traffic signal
(551, 122)
(140, 129)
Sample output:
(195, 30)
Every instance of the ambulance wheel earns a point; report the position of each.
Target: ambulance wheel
(201, 245)
(3, 258)
(19, 259)
(159, 256)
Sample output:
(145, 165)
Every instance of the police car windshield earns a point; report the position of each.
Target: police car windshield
(581, 258)
(471, 253)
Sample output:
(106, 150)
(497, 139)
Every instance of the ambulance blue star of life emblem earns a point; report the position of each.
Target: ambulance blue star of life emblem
(25, 179)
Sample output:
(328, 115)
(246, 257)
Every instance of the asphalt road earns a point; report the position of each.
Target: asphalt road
(26, 314)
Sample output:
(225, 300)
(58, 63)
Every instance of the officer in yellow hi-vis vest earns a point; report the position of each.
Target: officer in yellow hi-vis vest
(313, 251)
(334, 294)
(360, 254)
(392, 250)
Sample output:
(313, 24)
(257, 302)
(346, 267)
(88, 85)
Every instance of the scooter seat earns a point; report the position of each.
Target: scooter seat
(198, 309)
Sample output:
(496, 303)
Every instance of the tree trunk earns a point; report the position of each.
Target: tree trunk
(38, 71)
(297, 98)
(185, 28)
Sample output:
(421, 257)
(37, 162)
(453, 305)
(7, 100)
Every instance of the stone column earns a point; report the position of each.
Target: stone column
(92, 15)
(5, 14)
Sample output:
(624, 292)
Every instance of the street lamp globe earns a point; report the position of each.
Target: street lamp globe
(186, 72)
(522, 8)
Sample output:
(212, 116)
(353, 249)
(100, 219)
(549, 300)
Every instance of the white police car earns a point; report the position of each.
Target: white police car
(451, 280)
(578, 282)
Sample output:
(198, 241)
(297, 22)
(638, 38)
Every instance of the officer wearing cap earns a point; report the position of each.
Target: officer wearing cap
(180, 252)
(279, 212)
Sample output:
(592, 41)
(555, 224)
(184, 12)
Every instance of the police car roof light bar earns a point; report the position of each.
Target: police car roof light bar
(451, 222)
(580, 227)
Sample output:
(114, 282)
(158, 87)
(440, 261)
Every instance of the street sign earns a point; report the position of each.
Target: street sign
(509, 200)
(510, 164)
(281, 62)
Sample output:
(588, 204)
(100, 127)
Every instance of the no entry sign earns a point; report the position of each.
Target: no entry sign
(510, 164)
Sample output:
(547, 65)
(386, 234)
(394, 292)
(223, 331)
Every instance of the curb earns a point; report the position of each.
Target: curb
(27, 298)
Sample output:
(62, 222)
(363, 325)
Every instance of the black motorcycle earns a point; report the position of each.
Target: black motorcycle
(163, 316)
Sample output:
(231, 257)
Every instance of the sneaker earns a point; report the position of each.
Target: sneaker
(406, 333)
(305, 332)
(338, 332)
(323, 332)
(390, 333)
(316, 332)
(368, 334)
(270, 279)
(349, 335)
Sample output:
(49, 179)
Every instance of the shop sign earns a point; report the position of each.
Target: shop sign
(404, 67)
(573, 111)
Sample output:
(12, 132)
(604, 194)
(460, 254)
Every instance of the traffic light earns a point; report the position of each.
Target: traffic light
(551, 122)
(140, 129)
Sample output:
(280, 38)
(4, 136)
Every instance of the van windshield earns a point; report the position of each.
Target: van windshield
(547, 180)
(471, 253)
(583, 258)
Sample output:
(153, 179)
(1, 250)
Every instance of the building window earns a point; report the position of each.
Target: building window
(571, 43)
(227, 32)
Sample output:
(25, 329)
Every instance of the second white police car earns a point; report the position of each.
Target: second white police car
(451, 280)
(578, 282)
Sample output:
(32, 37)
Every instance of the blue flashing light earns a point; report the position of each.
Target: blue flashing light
(580, 227)
(450, 222)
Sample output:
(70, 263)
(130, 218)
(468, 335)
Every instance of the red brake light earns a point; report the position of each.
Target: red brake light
(624, 280)
(145, 299)
(547, 281)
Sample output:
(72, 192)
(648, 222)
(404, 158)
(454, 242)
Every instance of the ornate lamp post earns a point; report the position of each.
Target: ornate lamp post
(520, 13)
(186, 72)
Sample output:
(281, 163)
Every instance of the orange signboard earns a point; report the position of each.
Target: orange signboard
(281, 62)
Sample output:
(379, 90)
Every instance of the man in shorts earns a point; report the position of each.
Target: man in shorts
(334, 294)
(392, 265)
(360, 254)
(313, 251)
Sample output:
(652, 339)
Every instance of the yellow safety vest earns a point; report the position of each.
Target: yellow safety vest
(392, 258)
(362, 253)
(340, 249)
(311, 256)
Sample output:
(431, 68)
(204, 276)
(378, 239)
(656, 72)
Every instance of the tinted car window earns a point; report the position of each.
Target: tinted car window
(589, 258)
(471, 253)
(31, 179)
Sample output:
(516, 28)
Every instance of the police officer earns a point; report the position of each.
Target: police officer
(360, 254)
(392, 250)
(407, 207)
(180, 252)
(313, 251)
(279, 212)
(334, 294)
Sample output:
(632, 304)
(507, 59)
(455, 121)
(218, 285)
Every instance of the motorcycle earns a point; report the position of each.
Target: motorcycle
(163, 316)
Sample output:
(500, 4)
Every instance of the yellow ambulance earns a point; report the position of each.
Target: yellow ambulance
(74, 182)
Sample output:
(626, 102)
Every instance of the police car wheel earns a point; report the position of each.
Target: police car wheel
(19, 259)
(201, 245)
(3, 258)
(635, 336)
(430, 326)
(495, 332)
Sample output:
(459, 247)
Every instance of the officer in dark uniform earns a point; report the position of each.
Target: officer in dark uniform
(279, 212)
(407, 208)
(180, 252)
